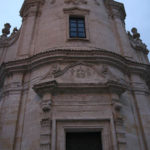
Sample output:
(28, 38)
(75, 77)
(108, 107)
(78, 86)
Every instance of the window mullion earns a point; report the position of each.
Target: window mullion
(77, 29)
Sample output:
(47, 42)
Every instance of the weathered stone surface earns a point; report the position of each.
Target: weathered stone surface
(51, 84)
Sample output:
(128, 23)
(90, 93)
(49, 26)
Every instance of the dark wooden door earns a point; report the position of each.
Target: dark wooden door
(83, 141)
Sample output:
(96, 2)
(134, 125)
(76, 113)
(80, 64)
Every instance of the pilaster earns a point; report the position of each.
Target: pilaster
(118, 15)
(11, 103)
(29, 12)
(140, 93)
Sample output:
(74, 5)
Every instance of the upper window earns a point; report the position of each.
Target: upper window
(77, 27)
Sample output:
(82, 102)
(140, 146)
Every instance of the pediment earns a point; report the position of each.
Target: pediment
(79, 73)
(80, 77)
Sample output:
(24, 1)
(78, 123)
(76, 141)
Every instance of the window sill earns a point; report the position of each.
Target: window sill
(78, 39)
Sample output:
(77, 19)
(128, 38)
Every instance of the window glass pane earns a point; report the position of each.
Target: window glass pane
(81, 21)
(73, 24)
(73, 34)
(81, 29)
(73, 29)
(81, 35)
(73, 21)
(80, 25)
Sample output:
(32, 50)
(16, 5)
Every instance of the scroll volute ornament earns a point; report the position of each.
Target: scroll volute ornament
(46, 102)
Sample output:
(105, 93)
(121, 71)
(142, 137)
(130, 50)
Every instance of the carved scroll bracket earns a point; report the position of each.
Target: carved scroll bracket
(45, 134)
(46, 102)
(119, 121)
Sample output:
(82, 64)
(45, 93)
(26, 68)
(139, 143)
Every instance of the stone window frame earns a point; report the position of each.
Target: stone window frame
(64, 126)
(78, 12)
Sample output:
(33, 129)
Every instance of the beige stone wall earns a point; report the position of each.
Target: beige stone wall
(45, 27)
(50, 84)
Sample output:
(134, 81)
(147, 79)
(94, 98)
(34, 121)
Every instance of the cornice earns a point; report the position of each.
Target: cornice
(71, 55)
(54, 86)
(76, 9)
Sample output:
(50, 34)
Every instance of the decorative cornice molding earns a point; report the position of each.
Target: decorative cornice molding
(70, 55)
(53, 86)
(76, 10)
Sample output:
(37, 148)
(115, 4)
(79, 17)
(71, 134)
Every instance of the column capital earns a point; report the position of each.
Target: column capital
(117, 10)
(30, 7)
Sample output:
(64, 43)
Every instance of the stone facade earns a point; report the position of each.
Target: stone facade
(51, 84)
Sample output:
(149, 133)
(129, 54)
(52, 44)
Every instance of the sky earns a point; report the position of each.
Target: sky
(138, 15)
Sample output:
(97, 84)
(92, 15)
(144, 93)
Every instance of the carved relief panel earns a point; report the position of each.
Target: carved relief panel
(80, 74)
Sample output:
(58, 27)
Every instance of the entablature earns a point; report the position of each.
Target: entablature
(71, 55)
(54, 86)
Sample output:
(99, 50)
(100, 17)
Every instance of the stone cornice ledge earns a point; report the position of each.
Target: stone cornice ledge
(70, 55)
(54, 87)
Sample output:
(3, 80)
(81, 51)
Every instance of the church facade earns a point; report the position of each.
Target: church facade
(72, 78)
